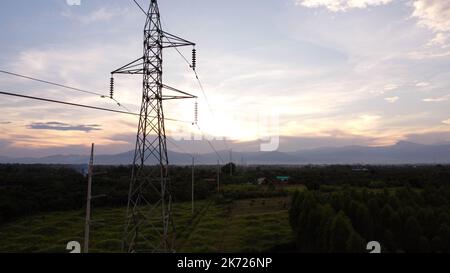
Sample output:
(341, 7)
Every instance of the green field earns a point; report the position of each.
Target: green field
(249, 225)
(322, 209)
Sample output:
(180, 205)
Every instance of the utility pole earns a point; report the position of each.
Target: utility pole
(149, 199)
(218, 176)
(88, 202)
(231, 162)
(193, 181)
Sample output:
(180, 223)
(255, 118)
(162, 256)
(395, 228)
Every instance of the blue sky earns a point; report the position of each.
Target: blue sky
(334, 72)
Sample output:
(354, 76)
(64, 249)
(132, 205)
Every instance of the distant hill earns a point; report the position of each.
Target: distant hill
(400, 153)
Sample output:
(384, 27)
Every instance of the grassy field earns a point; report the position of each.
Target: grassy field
(249, 225)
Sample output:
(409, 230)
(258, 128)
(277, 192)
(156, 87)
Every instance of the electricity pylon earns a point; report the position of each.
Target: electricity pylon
(149, 224)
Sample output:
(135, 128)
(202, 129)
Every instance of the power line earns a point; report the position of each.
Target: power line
(201, 88)
(63, 86)
(52, 83)
(209, 105)
(205, 97)
(192, 155)
(211, 145)
(203, 91)
(198, 80)
(80, 105)
(66, 103)
(197, 157)
(151, 148)
(121, 105)
(207, 102)
(182, 56)
(195, 73)
(179, 148)
(140, 7)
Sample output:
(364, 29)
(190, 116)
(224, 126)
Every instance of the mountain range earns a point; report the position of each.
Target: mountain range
(400, 153)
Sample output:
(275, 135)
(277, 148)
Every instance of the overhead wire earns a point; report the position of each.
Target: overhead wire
(181, 149)
(197, 78)
(205, 97)
(201, 88)
(178, 147)
(65, 87)
(211, 145)
(2, 92)
(140, 7)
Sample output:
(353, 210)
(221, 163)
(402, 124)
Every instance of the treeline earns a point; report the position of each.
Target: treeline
(402, 220)
(31, 189)
(235, 192)
(370, 176)
(356, 175)
(25, 190)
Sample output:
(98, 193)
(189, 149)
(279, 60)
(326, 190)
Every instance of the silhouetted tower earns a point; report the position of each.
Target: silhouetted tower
(149, 224)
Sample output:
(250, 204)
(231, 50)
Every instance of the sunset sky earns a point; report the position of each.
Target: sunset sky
(331, 72)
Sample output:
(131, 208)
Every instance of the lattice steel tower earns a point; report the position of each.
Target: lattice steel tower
(149, 224)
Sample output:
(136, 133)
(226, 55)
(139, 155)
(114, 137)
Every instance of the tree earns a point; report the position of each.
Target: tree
(396, 224)
(226, 168)
(444, 234)
(412, 234)
(363, 222)
(341, 230)
(324, 229)
(385, 216)
(355, 243)
(424, 245)
(306, 221)
(295, 209)
(436, 244)
(389, 241)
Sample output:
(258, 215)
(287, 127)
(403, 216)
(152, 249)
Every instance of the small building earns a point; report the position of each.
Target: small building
(283, 178)
(261, 181)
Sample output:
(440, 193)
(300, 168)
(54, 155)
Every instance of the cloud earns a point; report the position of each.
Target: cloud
(439, 39)
(58, 126)
(5, 122)
(129, 138)
(73, 2)
(341, 5)
(390, 87)
(446, 121)
(437, 99)
(422, 84)
(434, 15)
(392, 99)
(430, 138)
(81, 65)
(334, 88)
(100, 15)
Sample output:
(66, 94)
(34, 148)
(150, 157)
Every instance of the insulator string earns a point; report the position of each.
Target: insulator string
(194, 59)
(196, 113)
(111, 90)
